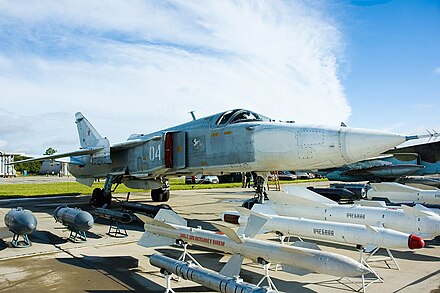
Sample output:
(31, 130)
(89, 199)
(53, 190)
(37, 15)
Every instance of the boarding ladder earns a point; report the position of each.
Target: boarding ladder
(274, 182)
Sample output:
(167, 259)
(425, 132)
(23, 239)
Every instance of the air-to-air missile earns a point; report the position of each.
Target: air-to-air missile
(117, 221)
(22, 223)
(204, 277)
(396, 192)
(113, 215)
(76, 220)
(300, 202)
(369, 237)
(167, 227)
(148, 209)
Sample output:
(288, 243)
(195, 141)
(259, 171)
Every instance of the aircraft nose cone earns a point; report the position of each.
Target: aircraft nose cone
(360, 144)
(415, 242)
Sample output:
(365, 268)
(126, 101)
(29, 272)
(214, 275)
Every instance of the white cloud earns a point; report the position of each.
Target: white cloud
(138, 66)
(437, 70)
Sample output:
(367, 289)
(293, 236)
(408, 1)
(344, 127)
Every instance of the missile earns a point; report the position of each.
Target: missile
(204, 277)
(396, 192)
(367, 236)
(145, 208)
(76, 220)
(300, 258)
(300, 202)
(22, 223)
(113, 215)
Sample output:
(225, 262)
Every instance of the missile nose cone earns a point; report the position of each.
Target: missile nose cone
(415, 242)
(362, 270)
(359, 144)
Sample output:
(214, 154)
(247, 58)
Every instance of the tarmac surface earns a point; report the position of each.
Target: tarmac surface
(108, 264)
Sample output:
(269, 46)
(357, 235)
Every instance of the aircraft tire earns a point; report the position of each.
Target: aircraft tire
(156, 194)
(98, 198)
(160, 195)
(165, 195)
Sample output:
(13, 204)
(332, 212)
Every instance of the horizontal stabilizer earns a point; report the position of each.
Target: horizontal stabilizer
(81, 152)
(305, 244)
(233, 266)
(414, 212)
(299, 196)
(228, 232)
(170, 217)
(392, 187)
(294, 270)
(152, 240)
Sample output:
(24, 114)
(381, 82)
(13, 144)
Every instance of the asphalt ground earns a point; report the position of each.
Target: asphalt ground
(108, 264)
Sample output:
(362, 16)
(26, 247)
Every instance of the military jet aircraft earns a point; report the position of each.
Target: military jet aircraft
(232, 141)
(417, 160)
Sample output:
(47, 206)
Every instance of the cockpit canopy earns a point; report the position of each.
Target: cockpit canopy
(239, 116)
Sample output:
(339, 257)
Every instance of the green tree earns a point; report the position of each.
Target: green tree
(50, 151)
(31, 167)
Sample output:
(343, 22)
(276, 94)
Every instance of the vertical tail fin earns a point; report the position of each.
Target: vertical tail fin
(89, 137)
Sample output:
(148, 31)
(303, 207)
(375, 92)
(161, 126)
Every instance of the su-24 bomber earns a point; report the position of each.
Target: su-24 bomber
(231, 141)
(301, 202)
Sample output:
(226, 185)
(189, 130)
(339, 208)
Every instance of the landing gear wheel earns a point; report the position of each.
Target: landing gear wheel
(97, 199)
(160, 195)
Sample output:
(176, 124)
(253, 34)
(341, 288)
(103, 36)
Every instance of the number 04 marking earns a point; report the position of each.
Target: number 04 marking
(154, 153)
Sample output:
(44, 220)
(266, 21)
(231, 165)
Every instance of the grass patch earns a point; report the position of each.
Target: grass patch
(75, 188)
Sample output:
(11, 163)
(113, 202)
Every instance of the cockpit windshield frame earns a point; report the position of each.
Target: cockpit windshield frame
(239, 116)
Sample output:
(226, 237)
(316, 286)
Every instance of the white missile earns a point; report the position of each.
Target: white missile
(167, 227)
(396, 192)
(365, 235)
(301, 202)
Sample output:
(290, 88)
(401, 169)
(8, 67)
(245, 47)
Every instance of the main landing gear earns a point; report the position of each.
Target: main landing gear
(104, 195)
(161, 194)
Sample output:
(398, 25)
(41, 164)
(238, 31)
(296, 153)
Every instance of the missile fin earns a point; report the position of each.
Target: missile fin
(299, 196)
(228, 232)
(295, 270)
(243, 211)
(255, 224)
(392, 187)
(150, 221)
(369, 248)
(233, 267)
(421, 207)
(152, 240)
(305, 244)
(371, 229)
(413, 211)
(263, 209)
(170, 217)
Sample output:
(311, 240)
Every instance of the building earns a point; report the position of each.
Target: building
(7, 170)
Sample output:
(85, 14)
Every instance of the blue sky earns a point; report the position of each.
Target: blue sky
(393, 54)
(139, 66)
